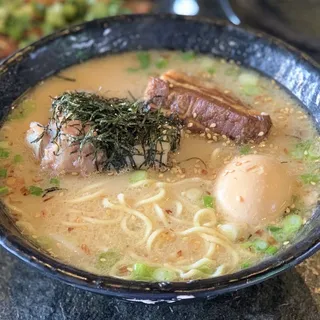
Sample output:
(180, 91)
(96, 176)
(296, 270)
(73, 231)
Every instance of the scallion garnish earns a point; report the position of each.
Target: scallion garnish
(4, 153)
(310, 178)
(208, 201)
(4, 190)
(211, 70)
(244, 149)
(245, 265)
(138, 175)
(55, 181)
(3, 173)
(308, 150)
(17, 158)
(161, 63)
(251, 90)
(188, 55)
(36, 191)
(144, 60)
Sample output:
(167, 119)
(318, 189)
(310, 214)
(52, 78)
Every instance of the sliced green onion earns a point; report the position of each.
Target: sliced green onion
(251, 90)
(25, 108)
(3, 173)
(244, 149)
(274, 228)
(292, 223)
(107, 259)
(69, 11)
(309, 150)
(161, 63)
(4, 154)
(232, 71)
(4, 190)
(260, 245)
(36, 191)
(247, 244)
(211, 70)
(188, 55)
(144, 59)
(138, 175)
(142, 271)
(163, 274)
(206, 268)
(208, 201)
(245, 265)
(4, 144)
(271, 250)
(310, 178)
(17, 158)
(55, 181)
(248, 79)
(45, 242)
(278, 233)
(54, 15)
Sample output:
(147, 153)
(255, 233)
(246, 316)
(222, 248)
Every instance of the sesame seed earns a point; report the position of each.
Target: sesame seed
(286, 242)
(207, 130)
(209, 136)
(194, 115)
(264, 114)
(261, 133)
(288, 210)
(213, 125)
(170, 85)
(239, 199)
(190, 124)
(313, 183)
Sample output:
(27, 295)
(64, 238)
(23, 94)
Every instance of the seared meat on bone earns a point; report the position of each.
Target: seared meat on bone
(205, 106)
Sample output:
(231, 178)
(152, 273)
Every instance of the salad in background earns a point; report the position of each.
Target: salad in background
(24, 21)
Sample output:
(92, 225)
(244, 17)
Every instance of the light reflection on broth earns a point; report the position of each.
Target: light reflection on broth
(163, 226)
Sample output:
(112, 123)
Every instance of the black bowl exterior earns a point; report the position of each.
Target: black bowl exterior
(291, 69)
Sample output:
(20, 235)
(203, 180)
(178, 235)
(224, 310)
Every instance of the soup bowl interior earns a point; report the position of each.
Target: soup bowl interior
(292, 70)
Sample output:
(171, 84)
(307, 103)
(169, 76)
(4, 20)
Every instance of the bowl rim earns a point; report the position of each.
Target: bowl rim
(152, 292)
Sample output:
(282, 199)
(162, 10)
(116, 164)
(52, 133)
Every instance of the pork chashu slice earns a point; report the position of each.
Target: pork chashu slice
(206, 106)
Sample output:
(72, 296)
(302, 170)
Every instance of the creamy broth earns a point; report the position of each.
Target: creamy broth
(166, 227)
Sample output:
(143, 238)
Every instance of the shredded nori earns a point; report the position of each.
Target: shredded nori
(118, 128)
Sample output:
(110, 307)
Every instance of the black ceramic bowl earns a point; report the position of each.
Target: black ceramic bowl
(291, 69)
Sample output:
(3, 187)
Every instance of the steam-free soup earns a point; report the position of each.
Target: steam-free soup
(216, 207)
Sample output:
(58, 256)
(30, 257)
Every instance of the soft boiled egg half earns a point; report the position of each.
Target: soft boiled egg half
(253, 189)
